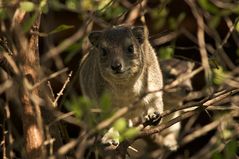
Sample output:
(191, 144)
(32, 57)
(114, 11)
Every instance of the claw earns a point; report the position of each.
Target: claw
(152, 119)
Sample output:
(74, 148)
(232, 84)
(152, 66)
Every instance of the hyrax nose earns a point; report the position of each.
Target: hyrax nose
(116, 66)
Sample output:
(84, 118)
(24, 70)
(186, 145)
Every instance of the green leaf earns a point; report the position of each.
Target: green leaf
(71, 4)
(3, 14)
(214, 22)
(172, 23)
(27, 6)
(206, 5)
(159, 17)
(105, 106)
(217, 155)
(181, 17)
(219, 75)
(166, 52)
(87, 5)
(60, 28)
(102, 4)
(230, 150)
(79, 105)
(43, 6)
(237, 26)
(130, 133)
(175, 22)
(28, 24)
(73, 106)
(113, 12)
(105, 102)
(1, 49)
(72, 51)
(55, 5)
(237, 52)
(120, 125)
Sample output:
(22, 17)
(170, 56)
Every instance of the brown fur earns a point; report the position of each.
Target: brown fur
(139, 72)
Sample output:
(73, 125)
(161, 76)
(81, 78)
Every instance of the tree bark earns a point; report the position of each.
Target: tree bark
(28, 61)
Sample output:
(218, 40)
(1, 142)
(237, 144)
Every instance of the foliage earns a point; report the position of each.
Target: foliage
(175, 30)
(219, 75)
(229, 151)
(166, 52)
(122, 127)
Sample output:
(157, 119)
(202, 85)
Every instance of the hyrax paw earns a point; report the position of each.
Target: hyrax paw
(111, 138)
(171, 145)
(170, 142)
(110, 142)
(152, 118)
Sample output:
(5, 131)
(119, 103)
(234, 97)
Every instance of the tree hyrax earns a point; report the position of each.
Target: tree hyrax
(122, 63)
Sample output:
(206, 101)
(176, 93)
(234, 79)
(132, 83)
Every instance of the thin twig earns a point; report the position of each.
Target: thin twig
(10, 65)
(165, 38)
(203, 104)
(62, 89)
(181, 79)
(4, 44)
(110, 120)
(52, 96)
(53, 75)
(61, 117)
(135, 12)
(53, 52)
(202, 130)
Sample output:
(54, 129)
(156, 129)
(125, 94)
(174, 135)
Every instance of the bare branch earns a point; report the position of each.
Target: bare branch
(63, 88)
(201, 40)
(55, 74)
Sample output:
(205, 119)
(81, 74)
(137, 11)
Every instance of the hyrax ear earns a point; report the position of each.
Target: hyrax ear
(94, 37)
(140, 33)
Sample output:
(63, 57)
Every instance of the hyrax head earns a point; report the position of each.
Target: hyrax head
(119, 52)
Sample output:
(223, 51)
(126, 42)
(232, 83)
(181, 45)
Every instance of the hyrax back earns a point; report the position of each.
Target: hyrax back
(122, 63)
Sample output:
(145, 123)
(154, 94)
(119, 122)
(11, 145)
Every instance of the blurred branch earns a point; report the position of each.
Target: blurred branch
(4, 44)
(194, 40)
(165, 38)
(223, 5)
(213, 146)
(181, 79)
(202, 104)
(136, 12)
(201, 40)
(232, 31)
(203, 130)
(5, 56)
(28, 58)
(53, 52)
(219, 52)
(55, 74)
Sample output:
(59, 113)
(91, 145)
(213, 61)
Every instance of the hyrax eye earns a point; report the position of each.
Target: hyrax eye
(103, 52)
(130, 49)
